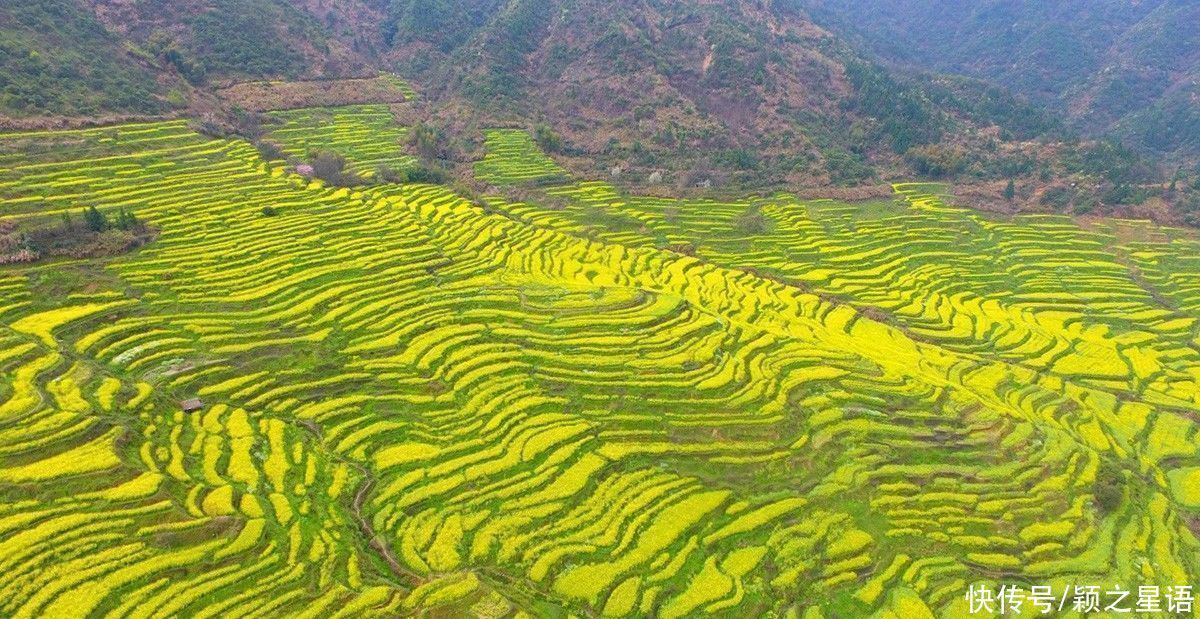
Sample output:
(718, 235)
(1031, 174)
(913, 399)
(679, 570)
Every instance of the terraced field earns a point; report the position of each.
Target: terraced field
(513, 157)
(622, 406)
(366, 135)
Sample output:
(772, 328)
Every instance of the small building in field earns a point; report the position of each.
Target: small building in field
(192, 405)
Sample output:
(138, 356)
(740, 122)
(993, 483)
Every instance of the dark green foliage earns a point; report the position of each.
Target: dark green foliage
(427, 141)
(1124, 91)
(98, 237)
(1189, 205)
(94, 220)
(906, 117)
(269, 211)
(1111, 161)
(1058, 197)
(489, 39)
(269, 151)
(331, 168)
(1010, 190)
(737, 159)
(936, 160)
(433, 148)
(446, 24)
(847, 168)
(1109, 488)
(1037, 47)
(548, 139)
(1120, 173)
(1113, 66)
(164, 47)
(56, 58)
(249, 38)
(741, 56)
(719, 60)
(126, 220)
(1008, 166)
(1125, 194)
(517, 32)
(327, 165)
(426, 173)
(986, 104)
(1170, 125)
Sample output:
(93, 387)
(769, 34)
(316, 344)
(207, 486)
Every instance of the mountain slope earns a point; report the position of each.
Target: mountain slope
(751, 95)
(1114, 66)
(688, 86)
(57, 58)
(95, 58)
(237, 39)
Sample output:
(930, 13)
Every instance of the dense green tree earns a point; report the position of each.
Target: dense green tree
(126, 220)
(328, 166)
(936, 160)
(547, 138)
(427, 141)
(846, 168)
(95, 220)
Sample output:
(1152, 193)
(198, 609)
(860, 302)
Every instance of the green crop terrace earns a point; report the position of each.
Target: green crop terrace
(366, 135)
(622, 406)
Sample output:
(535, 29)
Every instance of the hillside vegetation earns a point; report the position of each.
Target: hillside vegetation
(223, 39)
(1130, 69)
(98, 58)
(735, 91)
(748, 96)
(56, 58)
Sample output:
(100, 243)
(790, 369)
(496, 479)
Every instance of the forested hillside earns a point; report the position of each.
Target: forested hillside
(229, 39)
(89, 58)
(57, 58)
(1119, 67)
(700, 88)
